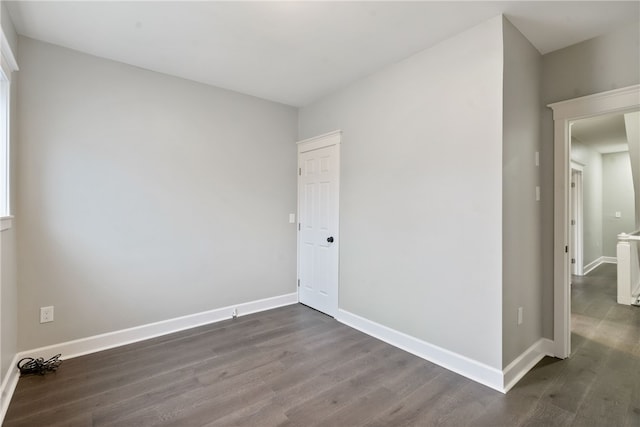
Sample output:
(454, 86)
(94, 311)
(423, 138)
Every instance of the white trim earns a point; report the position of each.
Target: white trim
(5, 138)
(320, 141)
(88, 345)
(7, 55)
(618, 100)
(622, 99)
(6, 222)
(8, 387)
(577, 165)
(624, 237)
(578, 230)
(624, 251)
(592, 265)
(598, 262)
(472, 369)
(317, 142)
(526, 361)
(501, 381)
(628, 284)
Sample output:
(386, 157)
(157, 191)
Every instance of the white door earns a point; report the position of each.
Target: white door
(575, 222)
(318, 237)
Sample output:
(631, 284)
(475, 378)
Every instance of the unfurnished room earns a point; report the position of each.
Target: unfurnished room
(315, 213)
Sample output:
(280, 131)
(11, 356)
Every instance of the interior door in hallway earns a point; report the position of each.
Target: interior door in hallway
(318, 235)
(575, 221)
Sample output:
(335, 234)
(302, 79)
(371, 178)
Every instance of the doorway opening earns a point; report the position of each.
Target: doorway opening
(619, 100)
(318, 218)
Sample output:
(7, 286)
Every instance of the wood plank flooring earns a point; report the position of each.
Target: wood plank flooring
(294, 366)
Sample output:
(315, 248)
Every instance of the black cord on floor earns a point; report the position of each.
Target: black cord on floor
(39, 366)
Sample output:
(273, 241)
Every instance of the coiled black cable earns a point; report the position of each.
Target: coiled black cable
(39, 366)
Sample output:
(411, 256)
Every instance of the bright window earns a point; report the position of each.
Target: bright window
(7, 65)
(5, 208)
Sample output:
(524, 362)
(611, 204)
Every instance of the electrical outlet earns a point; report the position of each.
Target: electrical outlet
(46, 314)
(520, 315)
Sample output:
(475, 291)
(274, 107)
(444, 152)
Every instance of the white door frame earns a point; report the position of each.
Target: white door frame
(577, 207)
(317, 142)
(564, 112)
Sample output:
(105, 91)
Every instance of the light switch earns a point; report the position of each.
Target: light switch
(292, 218)
(618, 214)
(537, 158)
(537, 193)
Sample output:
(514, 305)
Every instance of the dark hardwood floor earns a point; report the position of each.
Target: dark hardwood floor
(296, 367)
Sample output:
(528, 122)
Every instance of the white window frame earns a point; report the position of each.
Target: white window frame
(7, 66)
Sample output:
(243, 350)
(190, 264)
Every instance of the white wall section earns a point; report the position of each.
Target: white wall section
(421, 193)
(144, 197)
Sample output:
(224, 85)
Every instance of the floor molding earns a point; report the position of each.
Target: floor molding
(80, 347)
(93, 344)
(9, 383)
(591, 266)
(472, 369)
(598, 262)
(526, 361)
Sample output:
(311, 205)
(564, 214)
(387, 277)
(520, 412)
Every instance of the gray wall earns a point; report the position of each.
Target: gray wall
(421, 191)
(521, 224)
(617, 196)
(144, 197)
(8, 267)
(591, 200)
(607, 62)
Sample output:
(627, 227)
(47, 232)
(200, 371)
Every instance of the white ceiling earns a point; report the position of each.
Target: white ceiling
(294, 52)
(604, 134)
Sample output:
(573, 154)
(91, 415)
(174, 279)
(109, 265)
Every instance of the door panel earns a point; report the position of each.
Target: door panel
(318, 215)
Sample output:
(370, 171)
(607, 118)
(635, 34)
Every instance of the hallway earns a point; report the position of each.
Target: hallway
(603, 373)
(597, 316)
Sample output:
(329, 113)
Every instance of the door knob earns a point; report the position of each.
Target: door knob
(330, 239)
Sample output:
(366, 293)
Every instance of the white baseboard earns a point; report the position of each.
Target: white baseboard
(592, 266)
(9, 383)
(527, 360)
(598, 262)
(472, 369)
(80, 347)
(626, 300)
